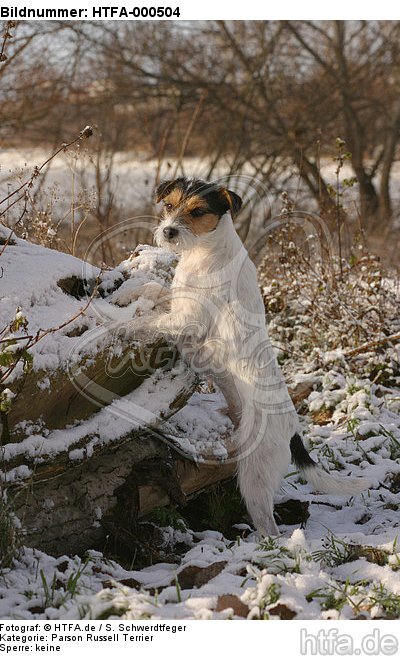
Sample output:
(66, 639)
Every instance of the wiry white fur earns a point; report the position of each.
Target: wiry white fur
(184, 241)
(217, 305)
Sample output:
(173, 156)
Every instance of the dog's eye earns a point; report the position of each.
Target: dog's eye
(198, 211)
(168, 206)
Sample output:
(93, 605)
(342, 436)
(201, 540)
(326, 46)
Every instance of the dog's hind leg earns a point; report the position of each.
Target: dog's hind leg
(263, 459)
(258, 496)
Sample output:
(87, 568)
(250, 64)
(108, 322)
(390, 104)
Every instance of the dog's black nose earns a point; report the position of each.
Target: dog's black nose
(170, 233)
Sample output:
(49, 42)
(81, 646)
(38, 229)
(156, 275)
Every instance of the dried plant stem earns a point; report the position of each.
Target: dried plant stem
(21, 191)
(179, 161)
(373, 344)
(32, 340)
(6, 36)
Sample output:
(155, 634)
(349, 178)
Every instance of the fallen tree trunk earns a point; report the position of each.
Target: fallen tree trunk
(78, 508)
(69, 505)
(63, 484)
(59, 398)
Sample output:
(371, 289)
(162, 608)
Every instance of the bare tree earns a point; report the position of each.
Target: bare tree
(262, 99)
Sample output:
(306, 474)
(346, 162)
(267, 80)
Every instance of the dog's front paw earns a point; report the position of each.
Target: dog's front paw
(131, 291)
(127, 293)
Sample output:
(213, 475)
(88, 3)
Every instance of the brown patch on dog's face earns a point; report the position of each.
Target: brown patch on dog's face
(176, 202)
(203, 224)
(172, 200)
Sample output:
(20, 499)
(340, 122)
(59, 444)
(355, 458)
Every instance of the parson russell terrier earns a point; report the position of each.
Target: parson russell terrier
(216, 305)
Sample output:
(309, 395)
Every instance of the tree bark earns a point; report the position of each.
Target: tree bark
(69, 506)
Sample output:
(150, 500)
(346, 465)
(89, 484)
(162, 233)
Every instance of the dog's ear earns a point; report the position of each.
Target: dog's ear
(234, 202)
(164, 189)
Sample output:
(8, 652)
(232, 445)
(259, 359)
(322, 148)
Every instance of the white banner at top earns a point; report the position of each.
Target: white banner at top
(191, 10)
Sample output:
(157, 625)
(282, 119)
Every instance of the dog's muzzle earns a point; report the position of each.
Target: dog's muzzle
(169, 232)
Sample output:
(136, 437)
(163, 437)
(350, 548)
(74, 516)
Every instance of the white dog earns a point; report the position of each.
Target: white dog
(216, 306)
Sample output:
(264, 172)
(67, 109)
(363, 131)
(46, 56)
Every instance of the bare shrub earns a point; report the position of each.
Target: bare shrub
(324, 310)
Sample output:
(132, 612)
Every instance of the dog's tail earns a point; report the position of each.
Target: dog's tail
(321, 480)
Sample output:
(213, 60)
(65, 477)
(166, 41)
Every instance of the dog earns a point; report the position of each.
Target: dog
(216, 307)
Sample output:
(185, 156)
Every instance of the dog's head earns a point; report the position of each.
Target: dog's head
(191, 210)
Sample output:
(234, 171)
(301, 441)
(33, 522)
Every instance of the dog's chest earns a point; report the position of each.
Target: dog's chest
(207, 295)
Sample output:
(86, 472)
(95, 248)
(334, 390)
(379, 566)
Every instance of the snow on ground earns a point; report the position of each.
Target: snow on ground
(133, 178)
(201, 427)
(344, 563)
